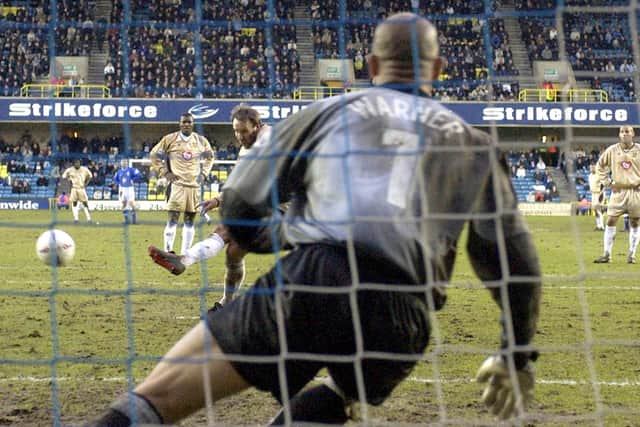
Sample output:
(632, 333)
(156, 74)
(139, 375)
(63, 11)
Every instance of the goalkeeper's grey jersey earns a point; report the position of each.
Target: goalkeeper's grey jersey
(397, 174)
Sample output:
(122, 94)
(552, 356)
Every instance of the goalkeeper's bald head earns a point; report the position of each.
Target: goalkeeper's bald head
(405, 50)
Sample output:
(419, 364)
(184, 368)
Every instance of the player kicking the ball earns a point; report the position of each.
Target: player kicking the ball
(247, 127)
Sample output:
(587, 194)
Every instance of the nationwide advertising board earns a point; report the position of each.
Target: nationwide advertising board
(209, 111)
(23, 204)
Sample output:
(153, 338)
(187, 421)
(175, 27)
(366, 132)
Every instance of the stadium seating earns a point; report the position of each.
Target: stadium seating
(594, 42)
(24, 39)
(223, 62)
(163, 58)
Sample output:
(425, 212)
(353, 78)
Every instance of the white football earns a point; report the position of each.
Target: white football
(55, 247)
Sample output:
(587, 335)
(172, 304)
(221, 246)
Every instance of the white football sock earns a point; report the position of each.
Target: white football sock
(202, 251)
(599, 223)
(74, 210)
(609, 236)
(169, 236)
(86, 213)
(188, 232)
(634, 234)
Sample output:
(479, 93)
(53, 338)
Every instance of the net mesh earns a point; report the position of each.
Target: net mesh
(78, 336)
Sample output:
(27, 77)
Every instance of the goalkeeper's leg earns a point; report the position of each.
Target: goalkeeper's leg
(319, 404)
(152, 403)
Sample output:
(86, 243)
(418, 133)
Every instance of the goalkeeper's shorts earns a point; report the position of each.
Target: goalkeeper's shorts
(319, 326)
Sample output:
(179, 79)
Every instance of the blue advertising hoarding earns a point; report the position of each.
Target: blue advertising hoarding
(113, 110)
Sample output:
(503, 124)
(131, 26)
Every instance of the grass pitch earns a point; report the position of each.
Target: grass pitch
(74, 338)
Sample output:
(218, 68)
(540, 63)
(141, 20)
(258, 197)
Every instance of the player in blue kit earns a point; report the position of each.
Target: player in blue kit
(124, 178)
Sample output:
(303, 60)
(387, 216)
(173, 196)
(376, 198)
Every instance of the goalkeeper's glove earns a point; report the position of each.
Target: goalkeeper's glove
(501, 396)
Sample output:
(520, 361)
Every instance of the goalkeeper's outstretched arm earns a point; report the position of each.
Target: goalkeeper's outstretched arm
(506, 391)
(523, 285)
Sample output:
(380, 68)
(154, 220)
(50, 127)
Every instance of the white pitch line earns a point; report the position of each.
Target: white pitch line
(625, 383)
(137, 285)
(593, 288)
(163, 285)
(567, 382)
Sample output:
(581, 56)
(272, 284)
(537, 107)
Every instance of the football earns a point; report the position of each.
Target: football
(55, 248)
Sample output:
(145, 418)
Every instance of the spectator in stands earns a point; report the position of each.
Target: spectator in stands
(55, 172)
(583, 205)
(551, 191)
(16, 188)
(539, 176)
(549, 91)
(63, 201)
(55, 80)
(521, 172)
(42, 181)
(109, 70)
(627, 66)
(531, 198)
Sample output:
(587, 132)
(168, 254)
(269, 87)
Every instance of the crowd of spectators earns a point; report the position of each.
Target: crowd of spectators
(20, 186)
(552, 4)
(25, 53)
(597, 43)
(540, 37)
(532, 169)
(24, 39)
(462, 42)
(238, 49)
(232, 55)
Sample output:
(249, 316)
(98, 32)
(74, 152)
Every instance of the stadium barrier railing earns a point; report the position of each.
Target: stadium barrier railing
(320, 92)
(65, 91)
(571, 95)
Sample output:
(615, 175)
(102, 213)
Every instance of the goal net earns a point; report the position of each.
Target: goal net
(551, 81)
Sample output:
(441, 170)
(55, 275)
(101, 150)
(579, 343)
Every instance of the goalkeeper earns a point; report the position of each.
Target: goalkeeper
(382, 182)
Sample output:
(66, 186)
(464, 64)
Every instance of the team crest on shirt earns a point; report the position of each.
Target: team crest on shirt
(626, 165)
(187, 155)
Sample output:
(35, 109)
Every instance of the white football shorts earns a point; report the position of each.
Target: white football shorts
(126, 194)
